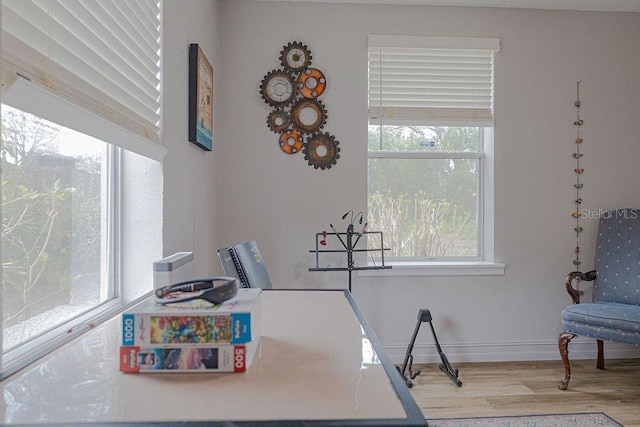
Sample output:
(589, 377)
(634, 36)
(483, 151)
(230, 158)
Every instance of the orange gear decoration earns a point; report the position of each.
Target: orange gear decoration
(311, 83)
(291, 141)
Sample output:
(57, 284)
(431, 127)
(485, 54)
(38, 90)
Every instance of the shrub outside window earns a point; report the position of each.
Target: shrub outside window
(424, 191)
(55, 205)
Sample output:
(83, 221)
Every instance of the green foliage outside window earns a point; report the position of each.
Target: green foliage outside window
(51, 226)
(422, 196)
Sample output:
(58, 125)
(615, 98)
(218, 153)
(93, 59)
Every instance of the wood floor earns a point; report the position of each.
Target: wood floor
(521, 388)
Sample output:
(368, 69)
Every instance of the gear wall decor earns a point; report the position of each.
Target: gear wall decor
(321, 150)
(308, 115)
(278, 120)
(278, 88)
(297, 115)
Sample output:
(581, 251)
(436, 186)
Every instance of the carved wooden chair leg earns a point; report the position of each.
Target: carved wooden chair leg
(563, 346)
(600, 361)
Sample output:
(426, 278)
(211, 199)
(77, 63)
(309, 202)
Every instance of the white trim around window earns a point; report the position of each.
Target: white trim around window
(442, 81)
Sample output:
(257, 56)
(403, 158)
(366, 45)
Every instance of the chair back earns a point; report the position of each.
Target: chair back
(617, 257)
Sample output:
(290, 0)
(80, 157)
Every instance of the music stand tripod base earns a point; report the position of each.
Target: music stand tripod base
(425, 316)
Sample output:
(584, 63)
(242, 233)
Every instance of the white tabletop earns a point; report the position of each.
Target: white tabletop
(319, 362)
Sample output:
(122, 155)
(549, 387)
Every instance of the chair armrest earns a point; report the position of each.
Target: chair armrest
(573, 292)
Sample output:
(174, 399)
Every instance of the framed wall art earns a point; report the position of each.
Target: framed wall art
(200, 98)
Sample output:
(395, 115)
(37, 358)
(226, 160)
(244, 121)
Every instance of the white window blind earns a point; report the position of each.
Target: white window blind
(431, 80)
(100, 57)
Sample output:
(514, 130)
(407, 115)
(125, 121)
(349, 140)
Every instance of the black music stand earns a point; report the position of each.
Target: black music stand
(351, 239)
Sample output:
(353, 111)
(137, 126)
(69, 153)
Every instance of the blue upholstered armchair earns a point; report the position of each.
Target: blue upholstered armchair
(614, 313)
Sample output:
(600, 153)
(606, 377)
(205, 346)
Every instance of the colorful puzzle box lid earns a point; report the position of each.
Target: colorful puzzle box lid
(195, 322)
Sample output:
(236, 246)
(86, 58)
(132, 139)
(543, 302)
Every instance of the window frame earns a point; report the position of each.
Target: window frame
(483, 264)
(135, 184)
(445, 155)
(139, 187)
(110, 281)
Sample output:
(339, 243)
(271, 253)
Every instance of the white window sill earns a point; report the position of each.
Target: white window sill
(453, 268)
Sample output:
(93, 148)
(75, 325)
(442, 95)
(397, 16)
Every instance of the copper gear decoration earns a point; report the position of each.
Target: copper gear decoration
(291, 141)
(295, 57)
(278, 120)
(292, 92)
(321, 150)
(317, 108)
(278, 88)
(311, 83)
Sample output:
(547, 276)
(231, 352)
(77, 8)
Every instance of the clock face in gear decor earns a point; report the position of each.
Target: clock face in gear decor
(278, 88)
(297, 115)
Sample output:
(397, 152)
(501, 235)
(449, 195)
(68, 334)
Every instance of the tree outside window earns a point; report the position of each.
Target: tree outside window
(423, 190)
(52, 230)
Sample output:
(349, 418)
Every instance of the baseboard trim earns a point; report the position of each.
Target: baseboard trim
(579, 348)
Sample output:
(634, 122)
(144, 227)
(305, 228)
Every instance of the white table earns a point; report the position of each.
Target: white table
(319, 364)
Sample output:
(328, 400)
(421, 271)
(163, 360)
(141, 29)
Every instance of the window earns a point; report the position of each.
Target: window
(55, 230)
(80, 153)
(430, 130)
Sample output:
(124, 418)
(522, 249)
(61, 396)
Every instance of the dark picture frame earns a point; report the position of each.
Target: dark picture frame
(200, 98)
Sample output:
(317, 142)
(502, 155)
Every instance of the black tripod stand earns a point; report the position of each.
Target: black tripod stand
(425, 316)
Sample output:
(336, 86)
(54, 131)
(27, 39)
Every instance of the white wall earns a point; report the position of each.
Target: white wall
(189, 215)
(280, 201)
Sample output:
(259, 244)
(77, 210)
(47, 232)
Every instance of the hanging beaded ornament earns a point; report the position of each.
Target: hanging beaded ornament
(578, 170)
